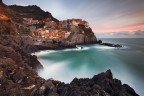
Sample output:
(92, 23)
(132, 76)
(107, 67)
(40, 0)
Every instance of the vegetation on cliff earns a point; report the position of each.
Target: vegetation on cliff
(33, 11)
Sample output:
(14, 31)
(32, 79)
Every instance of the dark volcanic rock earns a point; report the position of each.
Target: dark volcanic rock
(108, 44)
(99, 41)
(17, 78)
(100, 85)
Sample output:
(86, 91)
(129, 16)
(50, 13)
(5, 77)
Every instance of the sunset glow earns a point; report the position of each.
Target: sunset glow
(130, 28)
(103, 16)
(3, 17)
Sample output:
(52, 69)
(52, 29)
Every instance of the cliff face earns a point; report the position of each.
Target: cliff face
(18, 75)
(21, 42)
(10, 22)
(11, 35)
(21, 45)
(82, 35)
(45, 25)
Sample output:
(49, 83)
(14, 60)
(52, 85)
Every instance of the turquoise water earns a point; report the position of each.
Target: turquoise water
(127, 63)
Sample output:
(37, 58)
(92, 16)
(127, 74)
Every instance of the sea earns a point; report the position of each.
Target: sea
(85, 61)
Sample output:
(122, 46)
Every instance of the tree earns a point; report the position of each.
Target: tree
(0, 1)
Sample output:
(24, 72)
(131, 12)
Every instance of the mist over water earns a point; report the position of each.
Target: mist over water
(127, 63)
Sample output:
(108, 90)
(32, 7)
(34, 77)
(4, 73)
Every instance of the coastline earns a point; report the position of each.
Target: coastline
(18, 68)
(26, 79)
(38, 48)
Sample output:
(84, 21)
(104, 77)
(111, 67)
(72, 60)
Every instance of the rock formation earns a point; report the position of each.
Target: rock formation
(18, 69)
(17, 42)
(80, 32)
(11, 23)
(17, 78)
(102, 84)
(82, 36)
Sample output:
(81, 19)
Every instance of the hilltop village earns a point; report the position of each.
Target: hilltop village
(19, 26)
(45, 31)
(47, 28)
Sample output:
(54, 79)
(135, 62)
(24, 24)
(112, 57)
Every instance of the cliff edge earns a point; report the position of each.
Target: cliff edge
(18, 76)
(43, 25)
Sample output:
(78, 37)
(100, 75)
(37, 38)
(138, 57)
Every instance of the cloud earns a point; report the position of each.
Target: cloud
(102, 15)
(124, 34)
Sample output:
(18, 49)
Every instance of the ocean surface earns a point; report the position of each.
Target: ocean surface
(126, 63)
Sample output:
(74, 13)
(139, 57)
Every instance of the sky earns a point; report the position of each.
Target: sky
(107, 18)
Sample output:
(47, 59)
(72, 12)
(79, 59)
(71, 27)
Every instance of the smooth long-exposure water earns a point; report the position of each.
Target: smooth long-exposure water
(127, 63)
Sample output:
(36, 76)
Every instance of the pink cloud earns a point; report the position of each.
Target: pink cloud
(110, 28)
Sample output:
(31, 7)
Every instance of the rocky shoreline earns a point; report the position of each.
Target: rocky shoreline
(17, 74)
(37, 48)
(18, 71)
(18, 68)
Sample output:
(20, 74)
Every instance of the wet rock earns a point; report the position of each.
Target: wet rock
(20, 76)
(99, 41)
(102, 84)
(111, 45)
(108, 44)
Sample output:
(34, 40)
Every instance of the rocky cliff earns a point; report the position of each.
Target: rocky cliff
(11, 23)
(21, 45)
(82, 35)
(18, 76)
(17, 42)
